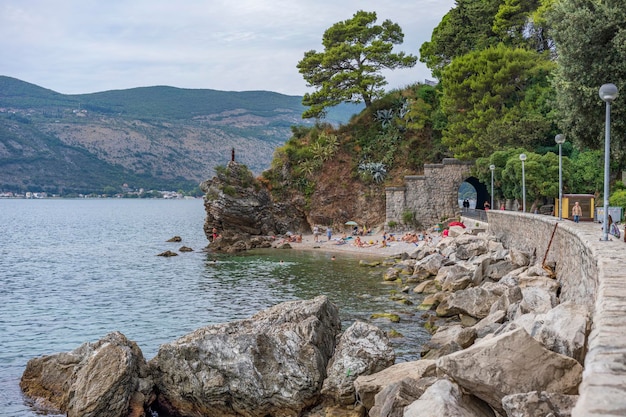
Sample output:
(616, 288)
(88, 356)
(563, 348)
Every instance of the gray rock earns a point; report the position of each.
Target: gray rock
(392, 399)
(468, 246)
(245, 211)
(564, 330)
(273, 363)
(445, 399)
(109, 377)
(454, 334)
(537, 300)
(490, 323)
(499, 269)
(453, 278)
(367, 386)
(429, 266)
(426, 287)
(363, 349)
(496, 367)
(475, 301)
(539, 404)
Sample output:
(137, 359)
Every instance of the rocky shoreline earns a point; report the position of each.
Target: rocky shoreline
(502, 345)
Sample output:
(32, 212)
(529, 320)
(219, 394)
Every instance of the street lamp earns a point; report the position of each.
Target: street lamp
(522, 158)
(492, 168)
(560, 139)
(608, 93)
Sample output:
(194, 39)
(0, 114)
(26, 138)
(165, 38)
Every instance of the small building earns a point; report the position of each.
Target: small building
(586, 202)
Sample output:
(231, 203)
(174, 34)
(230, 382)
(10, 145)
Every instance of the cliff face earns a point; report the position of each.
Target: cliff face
(243, 212)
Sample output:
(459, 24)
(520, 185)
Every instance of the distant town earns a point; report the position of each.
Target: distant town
(171, 195)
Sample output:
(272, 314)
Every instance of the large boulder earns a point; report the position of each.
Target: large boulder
(499, 366)
(429, 266)
(363, 349)
(273, 363)
(453, 277)
(446, 399)
(564, 330)
(468, 246)
(109, 377)
(475, 302)
(367, 386)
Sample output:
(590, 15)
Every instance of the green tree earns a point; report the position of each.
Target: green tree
(590, 40)
(522, 23)
(466, 27)
(355, 51)
(496, 98)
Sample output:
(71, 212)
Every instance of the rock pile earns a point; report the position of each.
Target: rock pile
(503, 345)
(280, 362)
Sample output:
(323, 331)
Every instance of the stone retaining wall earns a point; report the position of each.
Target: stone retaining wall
(593, 273)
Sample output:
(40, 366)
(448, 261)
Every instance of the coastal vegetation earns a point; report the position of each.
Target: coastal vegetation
(511, 77)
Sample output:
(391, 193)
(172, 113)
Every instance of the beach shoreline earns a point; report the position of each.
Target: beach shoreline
(376, 250)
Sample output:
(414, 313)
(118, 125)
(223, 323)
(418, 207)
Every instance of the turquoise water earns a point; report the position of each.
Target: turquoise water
(72, 271)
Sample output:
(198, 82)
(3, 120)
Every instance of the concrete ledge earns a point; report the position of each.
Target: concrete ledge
(592, 273)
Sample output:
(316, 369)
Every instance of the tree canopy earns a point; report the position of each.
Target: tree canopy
(348, 70)
(494, 98)
(591, 45)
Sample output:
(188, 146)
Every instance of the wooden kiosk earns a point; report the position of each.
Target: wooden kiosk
(586, 202)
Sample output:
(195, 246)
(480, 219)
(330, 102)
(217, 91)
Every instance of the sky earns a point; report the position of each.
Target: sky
(86, 46)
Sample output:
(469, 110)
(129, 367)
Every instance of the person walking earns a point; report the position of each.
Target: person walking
(316, 233)
(577, 211)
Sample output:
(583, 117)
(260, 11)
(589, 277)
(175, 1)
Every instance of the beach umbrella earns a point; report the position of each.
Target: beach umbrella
(351, 223)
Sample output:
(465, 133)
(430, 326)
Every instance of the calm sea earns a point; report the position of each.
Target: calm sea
(72, 271)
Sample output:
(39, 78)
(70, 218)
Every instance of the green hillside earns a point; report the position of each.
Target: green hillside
(149, 137)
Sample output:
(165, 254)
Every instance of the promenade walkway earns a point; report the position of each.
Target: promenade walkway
(593, 272)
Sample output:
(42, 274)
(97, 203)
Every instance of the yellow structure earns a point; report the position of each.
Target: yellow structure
(586, 202)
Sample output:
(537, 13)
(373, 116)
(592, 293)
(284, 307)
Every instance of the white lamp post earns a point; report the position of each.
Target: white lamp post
(608, 93)
(492, 168)
(560, 139)
(522, 158)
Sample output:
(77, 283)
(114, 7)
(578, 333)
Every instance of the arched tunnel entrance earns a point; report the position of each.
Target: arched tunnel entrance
(482, 196)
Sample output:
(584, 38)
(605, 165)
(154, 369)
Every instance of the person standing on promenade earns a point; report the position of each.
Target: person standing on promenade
(577, 211)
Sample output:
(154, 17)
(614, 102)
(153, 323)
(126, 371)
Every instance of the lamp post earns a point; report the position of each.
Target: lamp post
(522, 158)
(608, 93)
(492, 168)
(560, 139)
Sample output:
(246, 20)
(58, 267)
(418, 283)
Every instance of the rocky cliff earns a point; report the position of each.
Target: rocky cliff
(241, 210)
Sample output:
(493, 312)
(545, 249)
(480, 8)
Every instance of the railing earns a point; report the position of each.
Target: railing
(480, 215)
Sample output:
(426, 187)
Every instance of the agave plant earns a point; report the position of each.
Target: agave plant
(385, 117)
(376, 169)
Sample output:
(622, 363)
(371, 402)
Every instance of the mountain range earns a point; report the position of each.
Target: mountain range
(161, 138)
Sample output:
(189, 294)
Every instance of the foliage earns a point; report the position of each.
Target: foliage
(582, 173)
(466, 27)
(494, 98)
(521, 23)
(618, 199)
(408, 217)
(591, 44)
(376, 170)
(355, 51)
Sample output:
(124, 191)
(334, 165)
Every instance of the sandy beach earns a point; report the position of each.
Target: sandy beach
(324, 245)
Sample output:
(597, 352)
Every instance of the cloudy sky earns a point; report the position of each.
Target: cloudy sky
(85, 46)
